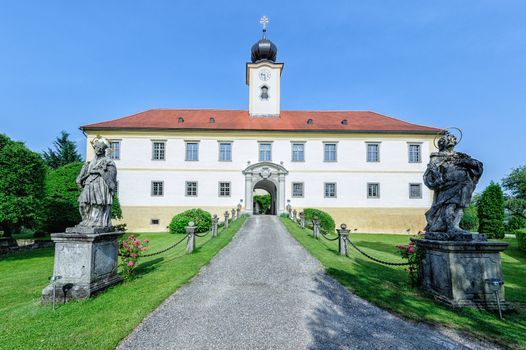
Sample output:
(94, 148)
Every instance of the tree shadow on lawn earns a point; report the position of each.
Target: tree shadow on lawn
(379, 246)
(28, 254)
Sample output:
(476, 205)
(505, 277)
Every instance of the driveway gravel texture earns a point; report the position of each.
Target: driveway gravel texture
(264, 291)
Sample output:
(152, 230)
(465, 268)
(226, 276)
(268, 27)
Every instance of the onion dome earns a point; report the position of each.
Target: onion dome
(264, 49)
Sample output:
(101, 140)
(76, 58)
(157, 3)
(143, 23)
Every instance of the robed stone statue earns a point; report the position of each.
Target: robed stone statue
(98, 182)
(453, 177)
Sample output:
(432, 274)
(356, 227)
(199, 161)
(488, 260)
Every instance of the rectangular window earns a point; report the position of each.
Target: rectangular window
(191, 188)
(330, 190)
(298, 152)
(329, 152)
(224, 189)
(192, 151)
(415, 191)
(414, 153)
(264, 152)
(225, 152)
(159, 150)
(373, 190)
(157, 188)
(154, 221)
(373, 152)
(115, 150)
(297, 189)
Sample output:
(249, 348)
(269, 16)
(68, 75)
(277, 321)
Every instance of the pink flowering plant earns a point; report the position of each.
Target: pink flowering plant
(411, 253)
(130, 250)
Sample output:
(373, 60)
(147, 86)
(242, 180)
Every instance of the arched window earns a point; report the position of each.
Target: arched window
(264, 92)
(310, 121)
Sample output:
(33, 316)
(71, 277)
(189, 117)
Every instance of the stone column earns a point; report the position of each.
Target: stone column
(294, 215)
(234, 215)
(190, 241)
(281, 194)
(316, 227)
(226, 219)
(289, 211)
(302, 219)
(86, 261)
(215, 221)
(248, 194)
(343, 234)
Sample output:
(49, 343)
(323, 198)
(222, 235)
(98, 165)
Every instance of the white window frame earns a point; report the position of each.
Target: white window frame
(115, 142)
(157, 153)
(325, 144)
(420, 187)
(196, 189)
(419, 145)
(270, 150)
(371, 143)
(297, 143)
(229, 189)
(152, 188)
(186, 143)
(377, 184)
(325, 189)
(302, 189)
(219, 150)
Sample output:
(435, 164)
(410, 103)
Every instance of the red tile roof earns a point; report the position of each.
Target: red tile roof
(199, 119)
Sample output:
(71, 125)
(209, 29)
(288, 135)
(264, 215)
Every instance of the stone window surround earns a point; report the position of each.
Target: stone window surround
(152, 190)
(119, 141)
(377, 190)
(259, 150)
(292, 143)
(302, 189)
(419, 144)
(186, 142)
(335, 143)
(219, 142)
(196, 189)
(154, 142)
(414, 184)
(229, 188)
(367, 143)
(325, 190)
(155, 222)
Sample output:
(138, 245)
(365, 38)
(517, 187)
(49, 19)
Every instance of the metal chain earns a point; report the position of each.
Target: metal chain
(329, 239)
(207, 232)
(375, 259)
(166, 249)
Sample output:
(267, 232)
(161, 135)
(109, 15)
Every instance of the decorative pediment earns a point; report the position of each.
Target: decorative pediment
(265, 169)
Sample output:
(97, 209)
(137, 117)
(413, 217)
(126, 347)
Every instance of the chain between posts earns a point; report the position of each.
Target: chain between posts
(166, 249)
(329, 239)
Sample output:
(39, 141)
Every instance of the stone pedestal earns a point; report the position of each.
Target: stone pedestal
(455, 272)
(86, 263)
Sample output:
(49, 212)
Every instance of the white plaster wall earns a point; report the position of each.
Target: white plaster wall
(136, 171)
(257, 105)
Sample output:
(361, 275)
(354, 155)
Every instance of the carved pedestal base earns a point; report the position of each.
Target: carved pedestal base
(86, 263)
(456, 272)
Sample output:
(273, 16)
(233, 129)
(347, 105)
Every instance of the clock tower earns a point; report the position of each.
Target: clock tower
(263, 77)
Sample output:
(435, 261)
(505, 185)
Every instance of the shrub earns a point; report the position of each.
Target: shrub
(470, 220)
(490, 210)
(515, 223)
(521, 239)
(202, 220)
(263, 201)
(130, 250)
(326, 221)
(413, 255)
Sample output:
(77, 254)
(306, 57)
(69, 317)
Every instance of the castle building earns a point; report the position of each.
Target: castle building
(363, 168)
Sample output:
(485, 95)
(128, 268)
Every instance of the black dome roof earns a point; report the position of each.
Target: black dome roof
(264, 49)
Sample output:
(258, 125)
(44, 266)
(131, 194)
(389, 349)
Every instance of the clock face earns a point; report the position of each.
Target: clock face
(264, 74)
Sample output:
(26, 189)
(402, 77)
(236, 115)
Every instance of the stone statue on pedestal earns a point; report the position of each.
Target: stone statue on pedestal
(453, 177)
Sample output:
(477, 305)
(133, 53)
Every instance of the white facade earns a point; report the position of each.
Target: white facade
(263, 80)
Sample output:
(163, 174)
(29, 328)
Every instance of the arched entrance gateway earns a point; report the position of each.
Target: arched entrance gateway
(269, 177)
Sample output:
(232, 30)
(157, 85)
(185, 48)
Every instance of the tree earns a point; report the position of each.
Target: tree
(65, 152)
(470, 220)
(263, 201)
(490, 210)
(22, 174)
(515, 184)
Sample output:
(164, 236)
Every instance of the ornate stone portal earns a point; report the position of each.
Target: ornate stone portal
(456, 266)
(86, 256)
(265, 173)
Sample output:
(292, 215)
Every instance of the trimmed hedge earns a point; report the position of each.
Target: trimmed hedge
(326, 221)
(201, 218)
(521, 239)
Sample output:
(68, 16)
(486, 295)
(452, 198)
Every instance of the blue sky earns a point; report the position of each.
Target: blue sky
(440, 63)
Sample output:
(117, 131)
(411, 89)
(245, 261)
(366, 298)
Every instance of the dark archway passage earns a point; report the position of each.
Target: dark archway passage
(260, 188)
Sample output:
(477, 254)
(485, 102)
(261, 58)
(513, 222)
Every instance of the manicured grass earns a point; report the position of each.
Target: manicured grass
(100, 322)
(388, 287)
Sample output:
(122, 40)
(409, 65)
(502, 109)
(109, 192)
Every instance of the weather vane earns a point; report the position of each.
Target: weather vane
(264, 22)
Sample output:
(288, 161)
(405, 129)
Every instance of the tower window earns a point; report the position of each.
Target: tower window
(264, 92)
(344, 122)
(212, 120)
(310, 121)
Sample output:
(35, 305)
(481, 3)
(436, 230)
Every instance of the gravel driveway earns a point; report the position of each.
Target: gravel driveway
(264, 291)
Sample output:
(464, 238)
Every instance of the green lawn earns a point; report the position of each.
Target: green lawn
(100, 322)
(388, 287)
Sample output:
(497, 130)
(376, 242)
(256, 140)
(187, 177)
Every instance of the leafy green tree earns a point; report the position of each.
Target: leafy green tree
(515, 184)
(490, 211)
(470, 220)
(22, 174)
(65, 152)
(263, 201)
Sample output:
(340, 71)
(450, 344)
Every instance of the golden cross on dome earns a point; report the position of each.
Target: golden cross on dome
(264, 22)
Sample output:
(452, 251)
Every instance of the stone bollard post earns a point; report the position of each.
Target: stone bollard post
(234, 217)
(295, 215)
(238, 210)
(215, 221)
(226, 219)
(316, 227)
(343, 234)
(302, 219)
(190, 241)
(289, 210)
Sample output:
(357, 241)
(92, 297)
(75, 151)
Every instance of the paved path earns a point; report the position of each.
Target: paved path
(264, 291)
